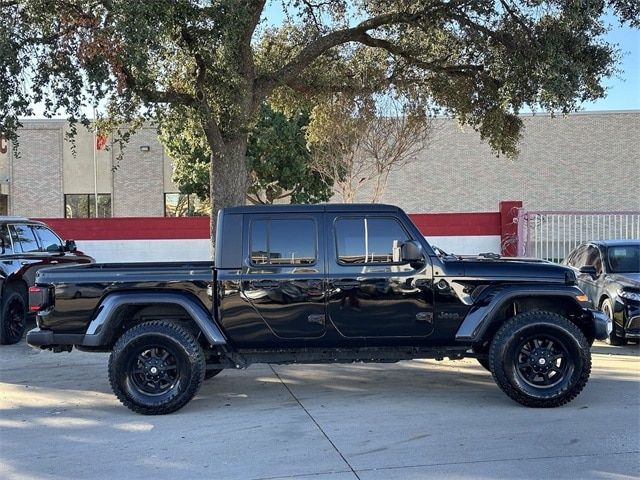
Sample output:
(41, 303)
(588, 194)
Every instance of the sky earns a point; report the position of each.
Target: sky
(623, 90)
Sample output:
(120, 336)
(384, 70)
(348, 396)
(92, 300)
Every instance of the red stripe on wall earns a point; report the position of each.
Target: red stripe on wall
(130, 228)
(457, 224)
(171, 228)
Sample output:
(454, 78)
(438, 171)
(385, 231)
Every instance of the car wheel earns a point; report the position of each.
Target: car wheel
(13, 317)
(613, 338)
(540, 359)
(156, 368)
(211, 373)
(485, 363)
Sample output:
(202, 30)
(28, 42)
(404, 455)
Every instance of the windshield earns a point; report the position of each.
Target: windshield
(624, 259)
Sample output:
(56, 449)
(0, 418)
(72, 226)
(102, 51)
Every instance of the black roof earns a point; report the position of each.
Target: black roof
(615, 243)
(9, 219)
(321, 207)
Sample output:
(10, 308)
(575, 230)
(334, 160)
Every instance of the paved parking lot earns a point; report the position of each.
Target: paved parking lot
(411, 420)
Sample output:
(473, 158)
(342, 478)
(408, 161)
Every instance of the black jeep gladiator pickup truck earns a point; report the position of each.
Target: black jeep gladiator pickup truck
(320, 283)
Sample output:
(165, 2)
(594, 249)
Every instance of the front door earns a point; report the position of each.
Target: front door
(283, 278)
(371, 293)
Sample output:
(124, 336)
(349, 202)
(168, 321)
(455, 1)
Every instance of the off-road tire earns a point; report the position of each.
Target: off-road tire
(516, 378)
(13, 316)
(185, 356)
(211, 373)
(613, 338)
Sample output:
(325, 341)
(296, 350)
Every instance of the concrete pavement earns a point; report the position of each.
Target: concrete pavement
(411, 420)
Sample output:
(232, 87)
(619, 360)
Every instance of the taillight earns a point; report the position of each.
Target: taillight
(38, 298)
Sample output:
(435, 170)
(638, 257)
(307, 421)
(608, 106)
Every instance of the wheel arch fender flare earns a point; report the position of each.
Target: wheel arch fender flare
(106, 319)
(481, 317)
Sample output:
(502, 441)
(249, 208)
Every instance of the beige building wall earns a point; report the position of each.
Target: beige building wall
(36, 173)
(78, 169)
(587, 161)
(138, 180)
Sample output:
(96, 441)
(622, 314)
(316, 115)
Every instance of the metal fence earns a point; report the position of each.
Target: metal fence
(552, 235)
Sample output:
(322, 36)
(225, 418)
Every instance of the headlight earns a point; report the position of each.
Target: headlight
(629, 295)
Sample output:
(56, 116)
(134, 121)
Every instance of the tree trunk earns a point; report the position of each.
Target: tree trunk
(229, 179)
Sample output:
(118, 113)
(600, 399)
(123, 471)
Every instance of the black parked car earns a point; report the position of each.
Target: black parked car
(609, 273)
(25, 247)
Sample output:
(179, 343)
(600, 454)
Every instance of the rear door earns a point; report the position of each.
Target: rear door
(371, 293)
(27, 248)
(283, 276)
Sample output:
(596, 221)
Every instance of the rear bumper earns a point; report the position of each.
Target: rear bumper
(602, 324)
(39, 338)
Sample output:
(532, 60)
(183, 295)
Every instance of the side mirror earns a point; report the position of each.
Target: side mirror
(411, 252)
(70, 246)
(589, 270)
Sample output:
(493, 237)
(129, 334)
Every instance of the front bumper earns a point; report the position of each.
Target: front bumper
(602, 324)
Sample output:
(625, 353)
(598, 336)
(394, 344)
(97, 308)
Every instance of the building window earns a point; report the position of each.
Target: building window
(83, 205)
(183, 205)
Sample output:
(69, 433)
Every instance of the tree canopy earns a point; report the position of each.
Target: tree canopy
(278, 159)
(216, 62)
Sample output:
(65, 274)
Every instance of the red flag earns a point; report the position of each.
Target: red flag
(101, 141)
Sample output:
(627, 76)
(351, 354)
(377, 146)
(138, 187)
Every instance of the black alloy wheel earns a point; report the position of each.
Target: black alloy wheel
(154, 371)
(13, 319)
(156, 367)
(540, 359)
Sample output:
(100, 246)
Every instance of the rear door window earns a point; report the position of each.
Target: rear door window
(283, 242)
(24, 239)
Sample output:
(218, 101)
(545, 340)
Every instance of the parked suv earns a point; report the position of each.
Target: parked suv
(26, 246)
(609, 273)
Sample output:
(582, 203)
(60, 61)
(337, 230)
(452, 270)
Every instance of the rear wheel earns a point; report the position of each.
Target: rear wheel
(13, 316)
(540, 359)
(156, 368)
(613, 339)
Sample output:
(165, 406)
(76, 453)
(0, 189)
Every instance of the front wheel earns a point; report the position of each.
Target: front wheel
(540, 359)
(156, 368)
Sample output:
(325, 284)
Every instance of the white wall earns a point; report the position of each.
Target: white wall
(106, 251)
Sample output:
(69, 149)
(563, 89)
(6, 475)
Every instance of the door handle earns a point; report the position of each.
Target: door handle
(54, 261)
(346, 284)
(266, 284)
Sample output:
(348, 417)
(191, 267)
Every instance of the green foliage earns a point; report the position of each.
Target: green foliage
(214, 63)
(277, 158)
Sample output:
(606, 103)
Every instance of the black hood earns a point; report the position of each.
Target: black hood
(627, 279)
(507, 268)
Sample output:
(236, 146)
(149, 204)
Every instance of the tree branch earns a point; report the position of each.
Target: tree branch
(154, 96)
(265, 84)
(436, 65)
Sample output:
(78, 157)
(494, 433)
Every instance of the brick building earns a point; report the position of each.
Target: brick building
(587, 161)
